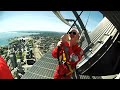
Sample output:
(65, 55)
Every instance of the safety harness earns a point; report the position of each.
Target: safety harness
(63, 59)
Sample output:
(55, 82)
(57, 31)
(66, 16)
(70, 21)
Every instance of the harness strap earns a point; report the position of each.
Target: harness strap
(63, 57)
(71, 70)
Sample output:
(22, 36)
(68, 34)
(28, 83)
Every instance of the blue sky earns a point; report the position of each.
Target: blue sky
(43, 20)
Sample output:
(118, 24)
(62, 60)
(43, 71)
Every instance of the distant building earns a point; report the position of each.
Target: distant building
(29, 64)
(23, 39)
(13, 60)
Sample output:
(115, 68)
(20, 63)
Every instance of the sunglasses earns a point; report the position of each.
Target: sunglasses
(74, 33)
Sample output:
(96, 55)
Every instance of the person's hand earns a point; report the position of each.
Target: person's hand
(59, 43)
(65, 38)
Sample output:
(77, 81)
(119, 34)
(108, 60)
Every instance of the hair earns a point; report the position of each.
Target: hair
(74, 28)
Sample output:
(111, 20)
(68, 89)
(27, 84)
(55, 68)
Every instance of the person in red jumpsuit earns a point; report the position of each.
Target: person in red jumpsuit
(5, 72)
(68, 58)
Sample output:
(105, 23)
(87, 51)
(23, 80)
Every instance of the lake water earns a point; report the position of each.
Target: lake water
(5, 36)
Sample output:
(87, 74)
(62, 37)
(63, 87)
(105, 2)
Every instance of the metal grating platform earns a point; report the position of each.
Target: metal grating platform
(89, 77)
(42, 69)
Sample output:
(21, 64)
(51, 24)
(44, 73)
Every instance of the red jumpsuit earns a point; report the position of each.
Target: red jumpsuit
(62, 70)
(5, 72)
